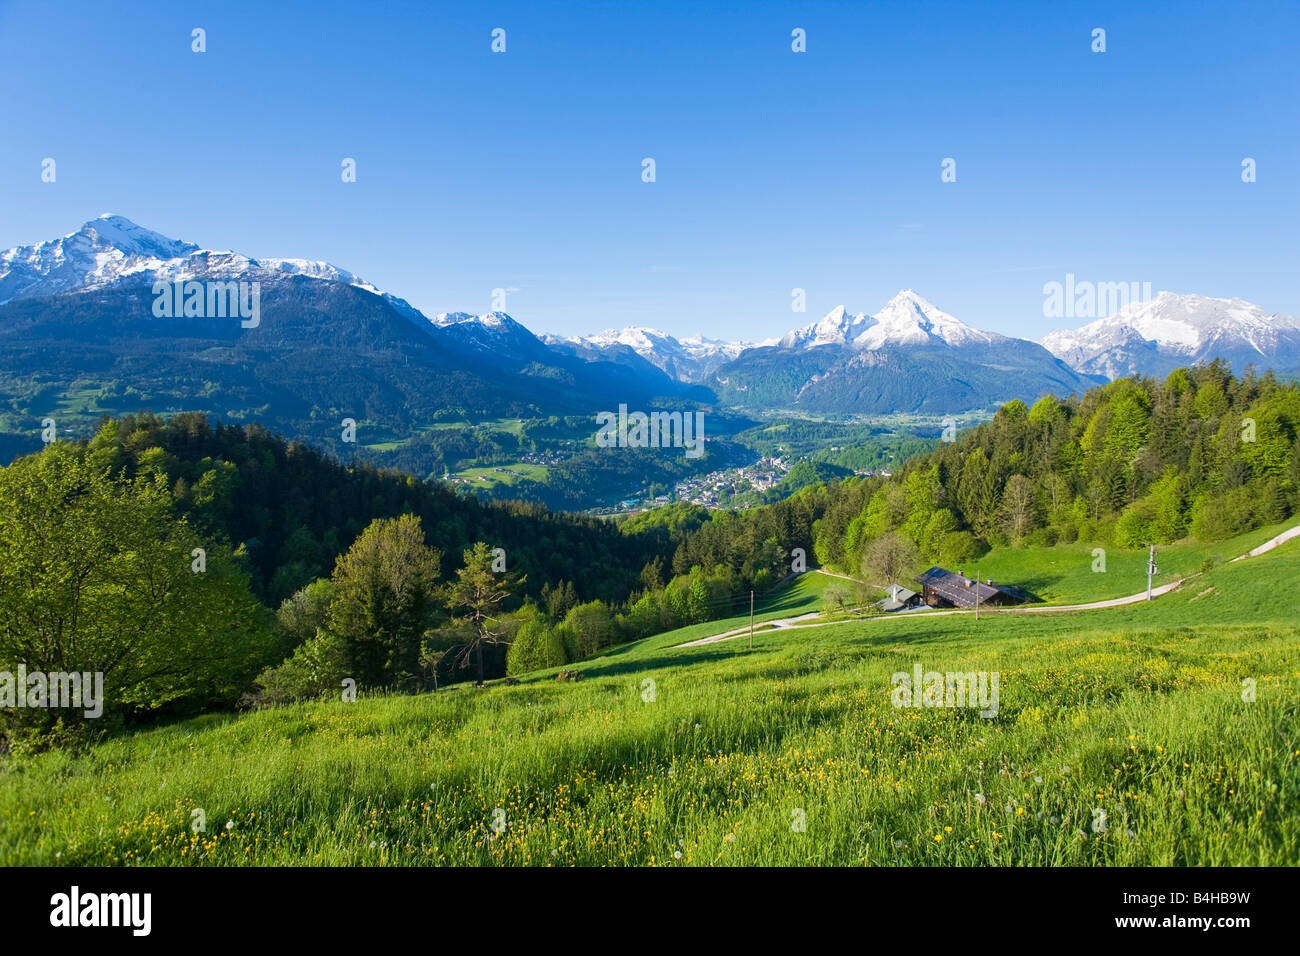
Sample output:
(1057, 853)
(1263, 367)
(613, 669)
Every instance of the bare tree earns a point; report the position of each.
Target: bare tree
(1018, 506)
(429, 661)
(836, 595)
(889, 557)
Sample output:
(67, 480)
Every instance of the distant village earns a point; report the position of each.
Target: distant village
(715, 489)
(735, 486)
(739, 487)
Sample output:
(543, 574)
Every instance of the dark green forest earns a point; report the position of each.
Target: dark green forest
(291, 510)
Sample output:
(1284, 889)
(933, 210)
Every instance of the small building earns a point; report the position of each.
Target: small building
(899, 598)
(940, 588)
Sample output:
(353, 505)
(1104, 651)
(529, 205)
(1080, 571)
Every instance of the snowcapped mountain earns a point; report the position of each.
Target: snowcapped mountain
(496, 343)
(837, 327)
(1170, 330)
(906, 320)
(687, 360)
(700, 347)
(910, 356)
(93, 286)
(325, 340)
(99, 253)
(112, 251)
(490, 333)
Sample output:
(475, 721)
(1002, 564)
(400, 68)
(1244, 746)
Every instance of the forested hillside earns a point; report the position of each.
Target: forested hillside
(1134, 462)
(1137, 461)
(321, 351)
(293, 510)
(156, 552)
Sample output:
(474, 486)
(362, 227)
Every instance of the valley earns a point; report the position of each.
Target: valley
(429, 397)
(421, 511)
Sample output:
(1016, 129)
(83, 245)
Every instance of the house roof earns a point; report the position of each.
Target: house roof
(958, 589)
(898, 598)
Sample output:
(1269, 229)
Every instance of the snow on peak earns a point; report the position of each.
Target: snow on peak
(836, 327)
(1187, 328)
(1188, 321)
(638, 338)
(685, 359)
(906, 319)
(645, 341)
(493, 321)
(111, 250)
(909, 319)
(705, 348)
(98, 253)
(1179, 322)
(110, 231)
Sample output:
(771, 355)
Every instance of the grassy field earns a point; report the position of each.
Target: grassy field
(789, 754)
(511, 426)
(1064, 574)
(511, 474)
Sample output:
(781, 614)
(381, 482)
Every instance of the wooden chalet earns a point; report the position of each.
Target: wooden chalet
(940, 588)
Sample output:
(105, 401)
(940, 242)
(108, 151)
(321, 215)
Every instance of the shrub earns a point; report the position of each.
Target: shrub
(315, 669)
(536, 645)
(1223, 516)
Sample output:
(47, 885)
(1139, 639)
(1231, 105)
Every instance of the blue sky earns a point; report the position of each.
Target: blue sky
(775, 169)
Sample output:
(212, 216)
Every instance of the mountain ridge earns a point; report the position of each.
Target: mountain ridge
(909, 355)
(687, 360)
(847, 363)
(1155, 336)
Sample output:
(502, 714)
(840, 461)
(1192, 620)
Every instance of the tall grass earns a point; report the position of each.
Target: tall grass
(790, 754)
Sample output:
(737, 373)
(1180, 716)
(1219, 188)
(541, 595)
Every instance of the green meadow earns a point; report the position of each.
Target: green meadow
(1065, 573)
(510, 474)
(1152, 734)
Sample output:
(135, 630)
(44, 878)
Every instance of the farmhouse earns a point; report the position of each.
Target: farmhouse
(899, 598)
(940, 588)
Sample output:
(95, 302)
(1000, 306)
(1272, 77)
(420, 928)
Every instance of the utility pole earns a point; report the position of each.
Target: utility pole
(751, 620)
(1151, 569)
(977, 592)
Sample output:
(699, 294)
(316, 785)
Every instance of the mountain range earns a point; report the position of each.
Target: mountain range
(78, 334)
(76, 320)
(910, 356)
(688, 360)
(1168, 331)
(111, 258)
(112, 251)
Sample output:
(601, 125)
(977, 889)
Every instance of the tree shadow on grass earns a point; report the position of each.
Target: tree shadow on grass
(1028, 588)
(788, 603)
(727, 650)
(617, 668)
